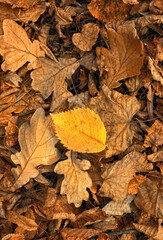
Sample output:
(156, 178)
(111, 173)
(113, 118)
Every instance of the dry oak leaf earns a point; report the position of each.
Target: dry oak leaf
(16, 47)
(155, 135)
(116, 111)
(76, 179)
(87, 38)
(37, 148)
(109, 11)
(117, 178)
(80, 130)
(50, 75)
(124, 59)
(150, 196)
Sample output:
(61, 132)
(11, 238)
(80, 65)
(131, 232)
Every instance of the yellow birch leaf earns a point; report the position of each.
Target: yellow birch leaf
(80, 130)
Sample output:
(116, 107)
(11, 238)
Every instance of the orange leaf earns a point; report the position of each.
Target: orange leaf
(80, 130)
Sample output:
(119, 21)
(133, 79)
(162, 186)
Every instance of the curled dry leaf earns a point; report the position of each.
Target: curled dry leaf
(16, 47)
(124, 59)
(117, 178)
(37, 148)
(155, 135)
(50, 75)
(119, 208)
(109, 11)
(22, 221)
(80, 130)
(116, 111)
(78, 233)
(76, 179)
(150, 196)
(157, 73)
(87, 38)
(23, 3)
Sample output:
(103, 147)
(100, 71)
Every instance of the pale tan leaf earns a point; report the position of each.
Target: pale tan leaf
(22, 221)
(16, 47)
(119, 208)
(87, 38)
(80, 130)
(156, 71)
(50, 75)
(124, 59)
(132, 2)
(117, 178)
(22, 4)
(76, 179)
(116, 111)
(150, 197)
(37, 148)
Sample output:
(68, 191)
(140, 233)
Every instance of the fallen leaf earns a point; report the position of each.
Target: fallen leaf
(155, 135)
(22, 221)
(76, 179)
(37, 148)
(135, 183)
(150, 197)
(156, 157)
(156, 71)
(50, 75)
(22, 3)
(11, 134)
(116, 111)
(78, 233)
(117, 178)
(17, 14)
(109, 11)
(87, 38)
(13, 236)
(16, 47)
(80, 130)
(89, 217)
(124, 59)
(119, 208)
(132, 2)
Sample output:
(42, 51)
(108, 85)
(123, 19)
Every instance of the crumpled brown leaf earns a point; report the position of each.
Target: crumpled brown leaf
(109, 11)
(87, 38)
(22, 221)
(157, 73)
(117, 178)
(150, 196)
(17, 14)
(119, 208)
(78, 233)
(76, 179)
(50, 75)
(155, 135)
(116, 111)
(37, 148)
(124, 59)
(16, 47)
(22, 4)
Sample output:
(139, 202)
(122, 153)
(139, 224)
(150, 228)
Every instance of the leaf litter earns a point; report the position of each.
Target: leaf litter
(93, 170)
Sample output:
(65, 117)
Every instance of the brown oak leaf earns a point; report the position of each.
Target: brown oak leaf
(124, 59)
(16, 47)
(50, 75)
(37, 148)
(117, 177)
(76, 179)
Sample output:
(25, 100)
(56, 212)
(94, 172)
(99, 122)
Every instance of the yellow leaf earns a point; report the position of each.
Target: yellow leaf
(80, 130)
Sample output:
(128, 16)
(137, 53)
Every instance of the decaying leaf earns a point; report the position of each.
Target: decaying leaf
(16, 47)
(78, 233)
(23, 3)
(156, 71)
(22, 221)
(50, 75)
(119, 208)
(155, 135)
(124, 59)
(76, 179)
(150, 197)
(117, 178)
(109, 11)
(87, 38)
(116, 111)
(80, 130)
(37, 148)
